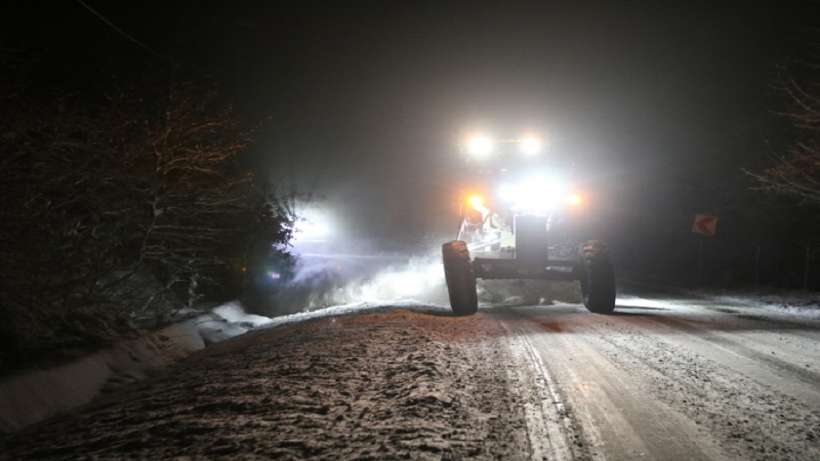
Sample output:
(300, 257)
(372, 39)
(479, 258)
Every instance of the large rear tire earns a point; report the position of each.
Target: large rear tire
(460, 277)
(597, 278)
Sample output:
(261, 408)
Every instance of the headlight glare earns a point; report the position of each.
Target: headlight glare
(480, 146)
(535, 194)
(530, 145)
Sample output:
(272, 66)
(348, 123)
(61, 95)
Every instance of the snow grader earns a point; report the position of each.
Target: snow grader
(522, 219)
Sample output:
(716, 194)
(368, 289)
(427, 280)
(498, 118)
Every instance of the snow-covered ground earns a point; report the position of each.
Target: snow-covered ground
(799, 305)
(32, 396)
(230, 319)
(669, 376)
(795, 303)
(397, 384)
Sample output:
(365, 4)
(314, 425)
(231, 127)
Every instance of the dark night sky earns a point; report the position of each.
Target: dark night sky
(367, 99)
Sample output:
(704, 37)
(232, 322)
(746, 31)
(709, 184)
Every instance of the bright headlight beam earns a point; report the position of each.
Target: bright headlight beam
(480, 146)
(476, 202)
(312, 225)
(534, 194)
(530, 145)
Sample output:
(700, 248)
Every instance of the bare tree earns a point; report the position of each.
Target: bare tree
(797, 171)
(95, 194)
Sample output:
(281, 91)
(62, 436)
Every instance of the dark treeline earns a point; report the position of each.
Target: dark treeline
(120, 204)
(766, 199)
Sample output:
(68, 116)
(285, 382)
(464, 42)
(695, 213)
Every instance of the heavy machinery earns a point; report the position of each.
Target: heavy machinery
(521, 219)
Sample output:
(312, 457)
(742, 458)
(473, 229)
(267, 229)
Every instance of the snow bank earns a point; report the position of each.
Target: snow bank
(34, 395)
(804, 305)
(800, 304)
(418, 280)
(233, 312)
(354, 308)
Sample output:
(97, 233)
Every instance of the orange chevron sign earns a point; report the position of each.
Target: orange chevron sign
(705, 224)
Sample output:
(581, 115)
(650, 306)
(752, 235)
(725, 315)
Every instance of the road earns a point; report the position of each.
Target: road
(664, 378)
(680, 379)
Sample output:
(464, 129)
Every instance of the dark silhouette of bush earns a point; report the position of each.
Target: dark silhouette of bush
(120, 207)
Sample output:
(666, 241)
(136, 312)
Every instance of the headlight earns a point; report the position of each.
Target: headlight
(530, 145)
(476, 202)
(480, 146)
(313, 225)
(538, 194)
(575, 200)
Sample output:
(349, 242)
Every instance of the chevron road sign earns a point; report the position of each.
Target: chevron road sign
(705, 224)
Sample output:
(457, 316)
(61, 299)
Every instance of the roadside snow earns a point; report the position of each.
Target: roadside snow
(804, 305)
(394, 384)
(354, 308)
(230, 319)
(36, 394)
(233, 312)
(801, 304)
(32, 396)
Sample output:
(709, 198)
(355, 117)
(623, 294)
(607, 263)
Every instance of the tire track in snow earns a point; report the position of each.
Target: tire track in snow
(549, 425)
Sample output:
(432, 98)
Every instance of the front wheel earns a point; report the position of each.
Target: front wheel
(460, 277)
(597, 278)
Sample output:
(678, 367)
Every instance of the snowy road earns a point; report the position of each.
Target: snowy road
(662, 379)
(684, 379)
